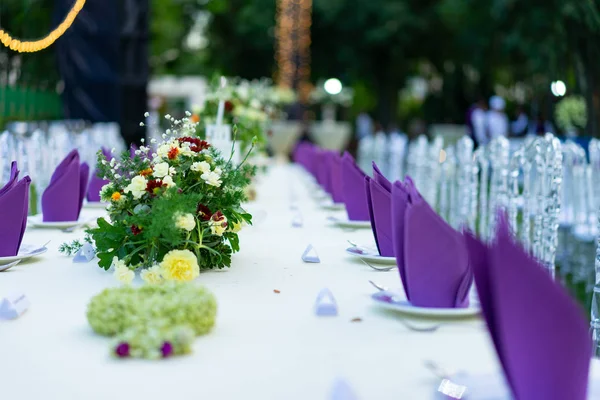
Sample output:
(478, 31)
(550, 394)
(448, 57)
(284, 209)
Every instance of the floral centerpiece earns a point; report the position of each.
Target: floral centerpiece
(243, 108)
(173, 212)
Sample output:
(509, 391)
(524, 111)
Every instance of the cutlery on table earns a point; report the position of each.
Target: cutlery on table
(6, 267)
(381, 269)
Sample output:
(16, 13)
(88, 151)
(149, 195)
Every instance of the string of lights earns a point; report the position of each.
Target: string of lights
(48, 40)
(292, 54)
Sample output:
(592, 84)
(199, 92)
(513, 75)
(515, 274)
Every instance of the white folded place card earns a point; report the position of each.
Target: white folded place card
(342, 391)
(13, 306)
(325, 306)
(310, 255)
(297, 221)
(85, 254)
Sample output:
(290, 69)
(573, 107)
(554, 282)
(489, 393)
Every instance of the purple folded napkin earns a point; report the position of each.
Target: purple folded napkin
(63, 199)
(322, 168)
(432, 257)
(14, 207)
(328, 169)
(353, 189)
(382, 180)
(539, 332)
(380, 212)
(96, 183)
(379, 192)
(336, 179)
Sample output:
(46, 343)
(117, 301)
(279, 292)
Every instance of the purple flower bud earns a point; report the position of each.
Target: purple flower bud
(122, 350)
(166, 349)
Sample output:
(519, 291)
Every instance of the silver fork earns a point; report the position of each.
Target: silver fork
(381, 269)
(6, 267)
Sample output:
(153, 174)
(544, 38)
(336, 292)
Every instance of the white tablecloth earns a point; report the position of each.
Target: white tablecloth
(264, 345)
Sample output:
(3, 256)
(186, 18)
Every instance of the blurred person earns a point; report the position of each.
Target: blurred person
(520, 126)
(496, 119)
(540, 126)
(364, 125)
(476, 122)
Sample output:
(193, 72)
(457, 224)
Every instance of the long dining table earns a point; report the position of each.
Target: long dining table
(267, 343)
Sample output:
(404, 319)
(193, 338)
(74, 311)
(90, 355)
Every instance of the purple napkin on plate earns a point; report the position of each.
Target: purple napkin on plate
(336, 179)
(328, 166)
(379, 192)
(96, 183)
(380, 212)
(14, 207)
(539, 332)
(322, 168)
(434, 264)
(353, 189)
(63, 199)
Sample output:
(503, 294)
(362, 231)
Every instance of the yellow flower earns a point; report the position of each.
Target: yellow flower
(153, 275)
(237, 226)
(180, 265)
(116, 196)
(122, 272)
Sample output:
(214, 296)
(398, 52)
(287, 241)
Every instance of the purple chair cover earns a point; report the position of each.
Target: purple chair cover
(96, 183)
(336, 179)
(539, 332)
(353, 189)
(380, 212)
(14, 207)
(434, 267)
(63, 199)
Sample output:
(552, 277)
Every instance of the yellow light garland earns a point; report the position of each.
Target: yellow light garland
(31, 47)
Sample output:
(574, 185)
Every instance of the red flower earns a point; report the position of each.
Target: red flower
(218, 217)
(153, 186)
(203, 212)
(173, 153)
(136, 230)
(229, 106)
(196, 145)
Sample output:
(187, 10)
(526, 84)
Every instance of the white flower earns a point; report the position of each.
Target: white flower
(152, 275)
(172, 171)
(185, 221)
(201, 166)
(146, 114)
(122, 272)
(255, 103)
(106, 192)
(161, 170)
(185, 150)
(212, 178)
(167, 180)
(218, 171)
(137, 187)
(163, 150)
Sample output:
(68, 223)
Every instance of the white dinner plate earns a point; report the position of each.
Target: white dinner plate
(25, 252)
(489, 387)
(370, 255)
(396, 302)
(37, 221)
(344, 222)
(95, 205)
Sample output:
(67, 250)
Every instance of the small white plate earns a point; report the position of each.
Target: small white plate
(95, 205)
(328, 204)
(396, 302)
(370, 255)
(37, 221)
(25, 252)
(344, 222)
